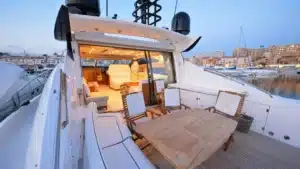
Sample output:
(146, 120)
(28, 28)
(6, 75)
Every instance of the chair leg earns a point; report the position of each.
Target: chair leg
(226, 145)
(145, 146)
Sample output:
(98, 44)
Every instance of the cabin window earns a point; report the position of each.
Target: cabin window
(105, 69)
(163, 66)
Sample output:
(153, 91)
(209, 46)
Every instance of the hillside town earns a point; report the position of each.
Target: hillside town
(244, 57)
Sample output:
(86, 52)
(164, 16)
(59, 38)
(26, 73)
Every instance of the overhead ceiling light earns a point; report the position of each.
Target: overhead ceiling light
(91, 50)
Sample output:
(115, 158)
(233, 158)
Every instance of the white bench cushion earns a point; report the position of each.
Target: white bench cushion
(110, 130)
(125, 155)
(121, 121)
(92, 152)
(117, 157)
(139, 157)
(159, 85)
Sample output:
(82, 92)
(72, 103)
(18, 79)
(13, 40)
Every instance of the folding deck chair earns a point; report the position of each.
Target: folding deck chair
(228, 104)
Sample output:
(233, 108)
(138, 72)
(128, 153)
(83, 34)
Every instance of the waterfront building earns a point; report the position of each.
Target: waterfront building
(29, 61)
(233, 61)
(284, 54)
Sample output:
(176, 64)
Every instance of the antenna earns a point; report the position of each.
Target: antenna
(146, 11)
(175, 7)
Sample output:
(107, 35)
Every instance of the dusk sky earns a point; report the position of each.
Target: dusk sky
(29, 24)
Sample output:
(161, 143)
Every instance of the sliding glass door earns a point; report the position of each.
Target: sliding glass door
(160, 65)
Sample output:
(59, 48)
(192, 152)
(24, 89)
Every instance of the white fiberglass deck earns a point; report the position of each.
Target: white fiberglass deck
(15, 132)
(250, 150)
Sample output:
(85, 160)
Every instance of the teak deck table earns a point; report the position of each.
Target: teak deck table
(186, 138)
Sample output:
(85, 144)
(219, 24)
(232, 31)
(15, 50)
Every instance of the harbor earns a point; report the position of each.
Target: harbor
(284, 83)
(143, 85)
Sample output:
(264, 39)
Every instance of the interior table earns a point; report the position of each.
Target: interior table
(186, 138)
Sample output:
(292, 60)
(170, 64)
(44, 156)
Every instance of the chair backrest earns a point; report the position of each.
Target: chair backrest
(135, 104)
(230, 103)
(159, 85)
(171, 97)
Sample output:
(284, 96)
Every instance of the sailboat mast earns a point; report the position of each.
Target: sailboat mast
(106, 8)
(242, 40)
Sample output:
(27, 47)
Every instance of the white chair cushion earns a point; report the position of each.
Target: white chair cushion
(136, 104)
(159, 85)
(228, 103)
(109, 131)
(172, 97)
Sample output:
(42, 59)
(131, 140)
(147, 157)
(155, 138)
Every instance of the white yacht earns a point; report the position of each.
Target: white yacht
(67, 131)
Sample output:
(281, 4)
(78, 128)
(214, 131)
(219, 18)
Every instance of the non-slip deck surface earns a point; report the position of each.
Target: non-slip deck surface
(248, 151)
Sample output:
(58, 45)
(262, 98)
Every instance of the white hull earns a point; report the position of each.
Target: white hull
(268, 110)
(54, 137)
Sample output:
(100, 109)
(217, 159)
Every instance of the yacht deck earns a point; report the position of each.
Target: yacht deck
(250, 150)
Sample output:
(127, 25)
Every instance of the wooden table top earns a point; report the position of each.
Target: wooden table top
(186, 138)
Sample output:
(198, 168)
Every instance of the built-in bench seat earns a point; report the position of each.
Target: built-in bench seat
(125, 155)
(115, 147)
(110, 129)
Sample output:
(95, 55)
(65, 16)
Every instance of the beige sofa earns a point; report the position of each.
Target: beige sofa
(118, 74)
(101, 101)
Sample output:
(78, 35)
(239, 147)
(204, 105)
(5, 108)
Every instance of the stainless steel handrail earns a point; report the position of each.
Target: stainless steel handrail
(223, 75)
(25, 94)
(236, 80)
(44, 75)
(64, 93)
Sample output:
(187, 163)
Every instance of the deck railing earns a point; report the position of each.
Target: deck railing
(24, 95)
(236, 80)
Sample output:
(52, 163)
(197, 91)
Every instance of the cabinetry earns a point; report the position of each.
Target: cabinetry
(195, 99)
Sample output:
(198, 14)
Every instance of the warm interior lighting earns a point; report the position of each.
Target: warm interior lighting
(112, 53)
(91, 50)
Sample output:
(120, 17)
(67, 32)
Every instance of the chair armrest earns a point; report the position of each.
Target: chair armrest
(185, 106)
(131, 125)
(209, 108)
(155, 111)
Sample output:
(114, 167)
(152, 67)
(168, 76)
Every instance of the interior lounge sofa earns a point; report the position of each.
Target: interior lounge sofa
(101, 101)
(118, 74)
